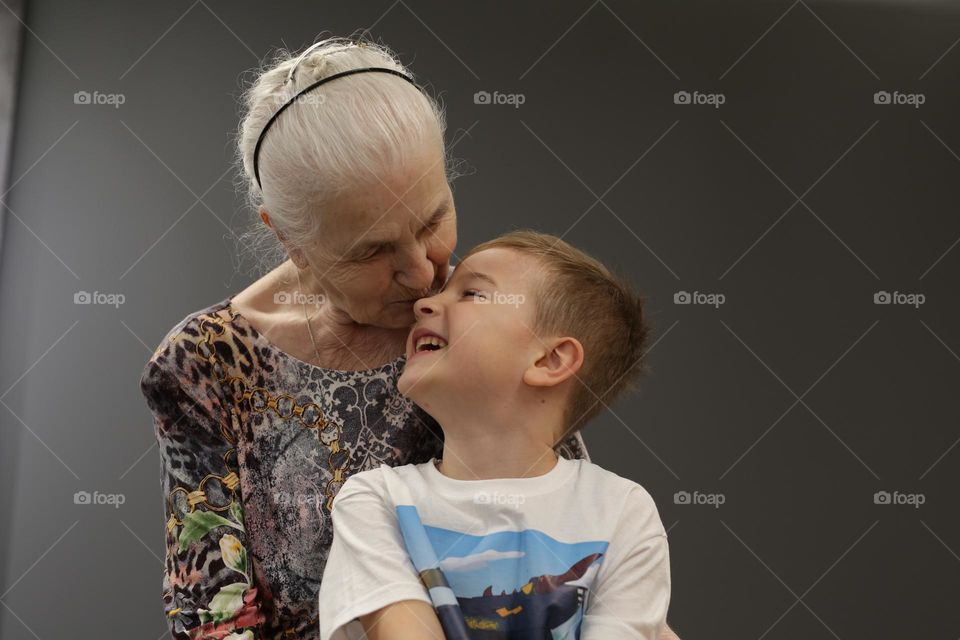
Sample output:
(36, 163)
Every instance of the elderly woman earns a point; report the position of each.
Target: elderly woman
(265, 402)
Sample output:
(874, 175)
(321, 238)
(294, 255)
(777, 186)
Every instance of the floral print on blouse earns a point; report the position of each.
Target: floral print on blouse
(254, 444)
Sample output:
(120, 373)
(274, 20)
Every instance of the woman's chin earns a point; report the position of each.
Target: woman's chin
(398, 315)
(392, 316)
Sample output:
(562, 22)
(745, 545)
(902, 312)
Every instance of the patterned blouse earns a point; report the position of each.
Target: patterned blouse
(254, 445)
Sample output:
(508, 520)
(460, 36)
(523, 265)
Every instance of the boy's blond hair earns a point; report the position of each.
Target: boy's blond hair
(577, 296)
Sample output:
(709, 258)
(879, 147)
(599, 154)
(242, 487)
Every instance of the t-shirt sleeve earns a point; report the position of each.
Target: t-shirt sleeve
(208, 585)
(368, 567)
(632, 590)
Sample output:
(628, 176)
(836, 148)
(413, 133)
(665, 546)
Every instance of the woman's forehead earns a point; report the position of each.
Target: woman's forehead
(358, 223)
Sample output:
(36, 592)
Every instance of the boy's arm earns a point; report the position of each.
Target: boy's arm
(631, 593)
(668, 634)
(368, 569)
(406, 620)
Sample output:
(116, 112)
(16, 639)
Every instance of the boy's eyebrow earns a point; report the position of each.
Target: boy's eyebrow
(474, 274)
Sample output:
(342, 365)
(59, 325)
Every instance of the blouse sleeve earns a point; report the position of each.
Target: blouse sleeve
(425, 439)
(573, 447)
(208, 585)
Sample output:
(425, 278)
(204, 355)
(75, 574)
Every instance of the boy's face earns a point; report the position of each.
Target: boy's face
(483, 319)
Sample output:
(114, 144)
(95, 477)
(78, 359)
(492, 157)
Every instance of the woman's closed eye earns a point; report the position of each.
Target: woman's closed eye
(432, 225)
(371, 254)
(379, 249)
(473, 293)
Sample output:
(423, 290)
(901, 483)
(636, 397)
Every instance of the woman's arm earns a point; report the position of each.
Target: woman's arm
(207, 580)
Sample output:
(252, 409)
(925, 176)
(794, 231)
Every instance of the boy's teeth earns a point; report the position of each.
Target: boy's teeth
(430, 340)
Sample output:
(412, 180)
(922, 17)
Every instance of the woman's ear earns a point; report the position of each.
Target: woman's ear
(296, 255)
(298, 258)
(561, 360)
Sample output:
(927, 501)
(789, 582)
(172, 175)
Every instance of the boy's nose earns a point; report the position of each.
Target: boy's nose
(425, 307)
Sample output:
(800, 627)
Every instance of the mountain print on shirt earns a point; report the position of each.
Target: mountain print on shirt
(507, 585)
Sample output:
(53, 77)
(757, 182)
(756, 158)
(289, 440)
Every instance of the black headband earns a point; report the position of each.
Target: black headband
(256, 150)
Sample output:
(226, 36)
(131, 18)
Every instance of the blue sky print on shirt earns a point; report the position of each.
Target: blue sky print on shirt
(516, 585)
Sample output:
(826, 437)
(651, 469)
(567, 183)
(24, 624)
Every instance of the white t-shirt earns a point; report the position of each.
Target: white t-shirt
(576, 548)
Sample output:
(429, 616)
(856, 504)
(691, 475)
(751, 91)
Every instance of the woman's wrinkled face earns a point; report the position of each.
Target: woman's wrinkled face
(387, 244)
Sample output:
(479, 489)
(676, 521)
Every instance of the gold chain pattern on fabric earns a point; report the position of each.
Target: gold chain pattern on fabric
(259, 400)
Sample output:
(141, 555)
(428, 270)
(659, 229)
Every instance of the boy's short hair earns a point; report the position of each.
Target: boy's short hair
(578, 296)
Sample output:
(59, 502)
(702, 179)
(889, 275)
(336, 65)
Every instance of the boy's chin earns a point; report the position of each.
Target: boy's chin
(416, 386)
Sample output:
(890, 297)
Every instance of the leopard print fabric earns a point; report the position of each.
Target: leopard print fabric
(254, 444)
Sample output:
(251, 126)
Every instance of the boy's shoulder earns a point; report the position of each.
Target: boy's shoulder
(376, 480)
(634, 496)
(596, 473)
(590, 479)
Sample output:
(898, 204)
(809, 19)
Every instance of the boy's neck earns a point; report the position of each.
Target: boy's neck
(512, 437)
(489, 455)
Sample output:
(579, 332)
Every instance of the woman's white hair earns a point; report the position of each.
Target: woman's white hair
(340, 135)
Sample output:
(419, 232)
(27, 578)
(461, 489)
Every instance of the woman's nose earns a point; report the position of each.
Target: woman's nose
(418, 273)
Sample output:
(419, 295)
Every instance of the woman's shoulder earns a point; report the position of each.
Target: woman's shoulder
(190, 323)
(190, 349)
(215, 319)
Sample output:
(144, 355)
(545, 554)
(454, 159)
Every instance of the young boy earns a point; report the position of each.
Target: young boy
(501, 537)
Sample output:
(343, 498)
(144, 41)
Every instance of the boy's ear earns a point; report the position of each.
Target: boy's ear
(562, 358)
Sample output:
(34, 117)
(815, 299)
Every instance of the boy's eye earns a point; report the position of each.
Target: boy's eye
(472, 292)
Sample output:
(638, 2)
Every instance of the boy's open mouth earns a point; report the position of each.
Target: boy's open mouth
(429, 343)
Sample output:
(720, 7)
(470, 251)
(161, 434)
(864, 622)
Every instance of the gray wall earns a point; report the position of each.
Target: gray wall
(797, 199)
(11, 31)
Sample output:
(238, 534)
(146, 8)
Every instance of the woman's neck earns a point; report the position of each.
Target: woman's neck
(340, 343)
(352, 346)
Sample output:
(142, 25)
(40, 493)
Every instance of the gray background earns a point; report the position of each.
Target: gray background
(11, 29)
(798, 199)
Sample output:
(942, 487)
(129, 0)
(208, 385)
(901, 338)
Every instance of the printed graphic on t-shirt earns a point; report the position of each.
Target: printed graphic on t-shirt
(510, 585)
